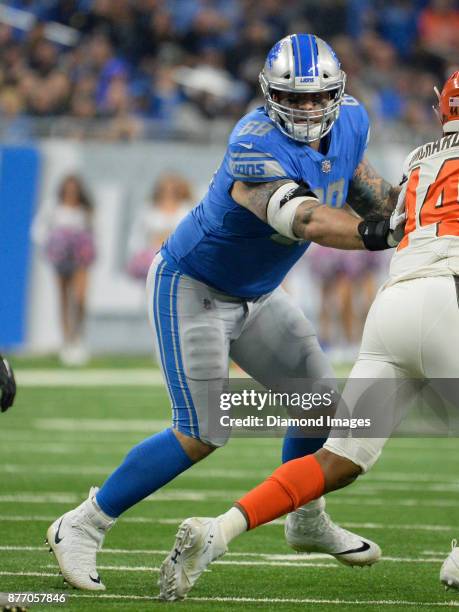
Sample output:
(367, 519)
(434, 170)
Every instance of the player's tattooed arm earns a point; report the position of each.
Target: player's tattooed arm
(370, 194)
(313, 221)
(327, 226)
(255, 196)
(297, 214)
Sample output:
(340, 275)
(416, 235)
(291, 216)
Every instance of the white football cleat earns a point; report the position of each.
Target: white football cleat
(198, 542)
(310, 529)
(75, 538)
(449, 573)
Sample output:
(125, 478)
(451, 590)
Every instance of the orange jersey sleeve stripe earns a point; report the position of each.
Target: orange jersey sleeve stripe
(410, 207)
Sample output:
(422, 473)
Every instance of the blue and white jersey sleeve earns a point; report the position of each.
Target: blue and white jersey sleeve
(250, 162)
(257, 151)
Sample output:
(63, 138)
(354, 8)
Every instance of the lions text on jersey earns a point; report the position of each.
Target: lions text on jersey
(226, 246)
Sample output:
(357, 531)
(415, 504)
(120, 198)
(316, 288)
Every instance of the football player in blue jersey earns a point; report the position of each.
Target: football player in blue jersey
(214, 294)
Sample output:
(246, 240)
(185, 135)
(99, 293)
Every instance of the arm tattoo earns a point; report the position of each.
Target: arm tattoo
(303, 217)
(369, 193)
(257, 196)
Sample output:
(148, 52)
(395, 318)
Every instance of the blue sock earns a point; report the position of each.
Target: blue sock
(146, 468)
(294, 448)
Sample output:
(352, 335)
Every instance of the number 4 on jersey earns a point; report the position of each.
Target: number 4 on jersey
(440, 204)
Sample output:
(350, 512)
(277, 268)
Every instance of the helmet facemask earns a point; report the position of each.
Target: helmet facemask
(303, 125)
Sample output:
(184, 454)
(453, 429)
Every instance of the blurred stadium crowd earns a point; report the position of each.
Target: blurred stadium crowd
(142, 68)
(187, 70)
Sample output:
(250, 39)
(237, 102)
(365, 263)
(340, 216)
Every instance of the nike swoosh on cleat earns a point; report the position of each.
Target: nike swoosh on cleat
(57, 539)
(365, 546)
(96, 580)
(246, 146)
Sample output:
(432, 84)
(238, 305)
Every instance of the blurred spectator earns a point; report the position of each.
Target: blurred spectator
(396, 22)
(14, 125)
(104, 63)
(151, 67)
(439, 28)
(63, 229)
(170, 201)
(167, 97)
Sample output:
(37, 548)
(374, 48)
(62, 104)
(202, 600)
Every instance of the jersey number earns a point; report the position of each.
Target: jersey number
(440, 205)
(333, 196)
(257, 128)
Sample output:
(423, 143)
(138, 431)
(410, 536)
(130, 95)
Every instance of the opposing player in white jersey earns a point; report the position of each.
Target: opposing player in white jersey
(412, 332)
(214, 290)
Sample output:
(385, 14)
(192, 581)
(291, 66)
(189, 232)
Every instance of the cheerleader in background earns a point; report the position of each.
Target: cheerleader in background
(170, 201)
(65, 233)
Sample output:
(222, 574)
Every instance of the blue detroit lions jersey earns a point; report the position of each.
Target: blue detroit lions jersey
(226, 246)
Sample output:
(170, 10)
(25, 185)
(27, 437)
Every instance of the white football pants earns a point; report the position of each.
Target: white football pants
(411, 332)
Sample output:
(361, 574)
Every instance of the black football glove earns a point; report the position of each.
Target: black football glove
(7, 384)
(376, 233)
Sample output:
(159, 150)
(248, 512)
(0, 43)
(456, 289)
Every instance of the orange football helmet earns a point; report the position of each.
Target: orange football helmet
(448, 103)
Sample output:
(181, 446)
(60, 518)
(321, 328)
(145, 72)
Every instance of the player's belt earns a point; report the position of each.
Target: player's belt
(226, 297)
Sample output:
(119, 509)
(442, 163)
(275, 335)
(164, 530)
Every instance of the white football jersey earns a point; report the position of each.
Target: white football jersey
(430, 246)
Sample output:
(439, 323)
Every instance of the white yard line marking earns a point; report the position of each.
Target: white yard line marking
(41, 498)
(50, 519)
(143, 568)
(340, 602)
(2, 573)
(89, 378)
(354, 500)
(408, 477)
(122, 377)
(159, 496)
(294, 560)
(410, 560)
(199, 495)
(369, 487)
(68, 470)
(177, 521)
(284, 600)
(141, 425)
(392, 526)
(64, 449)
(201, 473)
(408, 527)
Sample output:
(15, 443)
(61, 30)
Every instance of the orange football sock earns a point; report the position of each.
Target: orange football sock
(291, 485)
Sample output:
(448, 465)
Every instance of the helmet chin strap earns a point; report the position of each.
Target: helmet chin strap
(308, 133)
(304, 129)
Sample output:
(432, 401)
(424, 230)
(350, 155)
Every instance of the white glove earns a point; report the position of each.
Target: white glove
(398, 217)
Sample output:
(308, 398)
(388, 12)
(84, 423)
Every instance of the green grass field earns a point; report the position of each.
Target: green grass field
(60, 440)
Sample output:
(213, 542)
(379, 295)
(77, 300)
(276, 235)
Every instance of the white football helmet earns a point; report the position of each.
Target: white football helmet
(303, 63)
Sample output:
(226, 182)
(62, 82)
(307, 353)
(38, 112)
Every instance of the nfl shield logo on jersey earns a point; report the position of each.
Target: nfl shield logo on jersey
(326, 165)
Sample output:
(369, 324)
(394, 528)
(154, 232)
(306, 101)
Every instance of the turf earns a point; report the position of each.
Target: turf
(57, 442)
